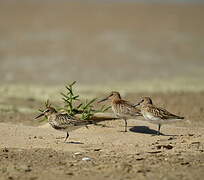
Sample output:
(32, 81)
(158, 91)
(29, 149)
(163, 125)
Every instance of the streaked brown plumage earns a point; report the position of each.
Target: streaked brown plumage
(121, 108)
(156, 114)
(65, 122)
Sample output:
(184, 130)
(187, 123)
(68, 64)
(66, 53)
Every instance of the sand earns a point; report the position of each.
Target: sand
(36, 151)
(40, 153)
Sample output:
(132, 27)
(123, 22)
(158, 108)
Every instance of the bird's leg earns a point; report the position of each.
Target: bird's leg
(66, 137)
(125, 124)
(158, 132)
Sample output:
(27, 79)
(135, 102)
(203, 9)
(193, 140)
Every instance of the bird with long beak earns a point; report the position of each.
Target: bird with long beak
(122, 108)
(156, 114)
(65, 122)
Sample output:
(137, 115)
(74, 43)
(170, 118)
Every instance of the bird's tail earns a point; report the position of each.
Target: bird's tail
(175, 119)
(178, 117)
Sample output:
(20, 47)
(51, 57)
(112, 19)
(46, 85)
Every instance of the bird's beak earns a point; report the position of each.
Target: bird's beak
(138, 103)
(39, 116)
(105, 99)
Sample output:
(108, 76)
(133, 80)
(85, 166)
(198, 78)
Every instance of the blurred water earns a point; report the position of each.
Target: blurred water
(60, 41)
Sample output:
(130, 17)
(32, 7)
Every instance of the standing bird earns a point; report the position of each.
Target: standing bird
(64, 122)
(156, 114)
(121, 108)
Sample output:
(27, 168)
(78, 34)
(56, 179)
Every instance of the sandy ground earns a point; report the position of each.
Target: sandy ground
(37, 151)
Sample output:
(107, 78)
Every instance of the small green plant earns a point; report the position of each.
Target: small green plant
(70, 99)
(86, 109)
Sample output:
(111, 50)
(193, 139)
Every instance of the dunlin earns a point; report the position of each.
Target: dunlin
(156, 114)
(121, 108)
(65, 122)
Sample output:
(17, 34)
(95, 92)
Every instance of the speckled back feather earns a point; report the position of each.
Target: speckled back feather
(124, 108)
(160, 112)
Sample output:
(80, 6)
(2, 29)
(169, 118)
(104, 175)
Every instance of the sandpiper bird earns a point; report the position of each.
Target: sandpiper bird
(65, 122)
(156, 114)
(121, 108)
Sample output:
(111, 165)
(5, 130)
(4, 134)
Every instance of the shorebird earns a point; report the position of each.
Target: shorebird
(156, 114)
(64, 122)
(122, 108)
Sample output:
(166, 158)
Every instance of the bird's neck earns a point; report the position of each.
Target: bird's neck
(146, 105)
(115, 99)
(52, 116)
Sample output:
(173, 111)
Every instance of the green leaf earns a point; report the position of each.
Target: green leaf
(90, 102)
(40, 110)
(73, 83)
(104, 109)
(70, 90)
(64, 95)
(78, 107)
(75, 97)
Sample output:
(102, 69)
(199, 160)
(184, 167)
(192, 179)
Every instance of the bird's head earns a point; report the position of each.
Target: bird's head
(47, 112)
(111, 96)
(144, 101)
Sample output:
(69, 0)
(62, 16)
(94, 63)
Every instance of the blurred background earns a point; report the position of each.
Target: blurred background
(153, 44)
(138, 47)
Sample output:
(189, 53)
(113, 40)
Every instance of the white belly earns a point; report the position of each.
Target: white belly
(150, 117)
(156, 120)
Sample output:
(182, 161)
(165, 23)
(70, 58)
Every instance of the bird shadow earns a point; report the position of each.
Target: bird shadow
(74, 142)
(144, 130)
(147, 130)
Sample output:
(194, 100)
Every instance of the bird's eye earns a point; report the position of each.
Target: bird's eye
(142, 101)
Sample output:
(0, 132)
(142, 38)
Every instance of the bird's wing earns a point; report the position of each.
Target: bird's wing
(163, 113)
(64, 120)
(129, 109)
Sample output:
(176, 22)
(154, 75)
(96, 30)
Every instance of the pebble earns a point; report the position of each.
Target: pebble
(164, 146)
(97, 149)
(86, 159)
(139, 158)
(5, 150)
(154, 152)
(40, 137)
